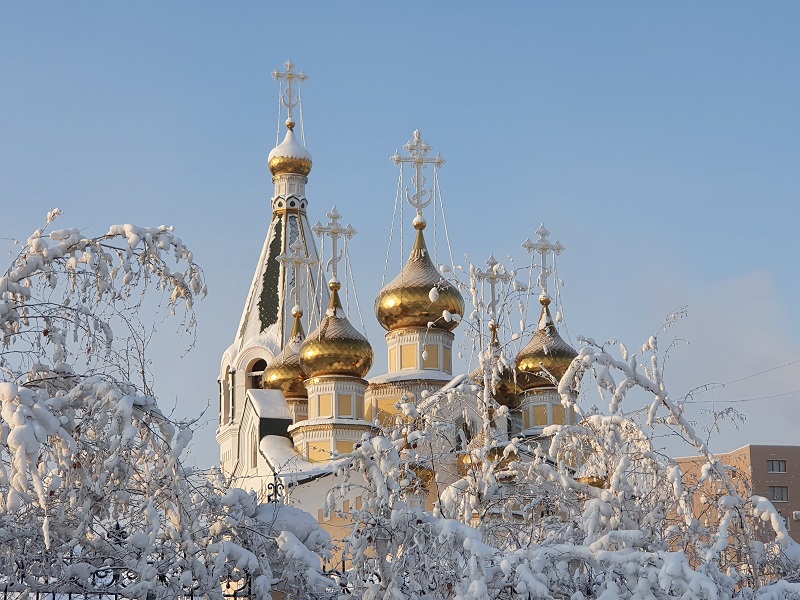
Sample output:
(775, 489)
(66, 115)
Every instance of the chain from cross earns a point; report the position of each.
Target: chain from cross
(418, 158)
(544, 247)
(290, 96)
(297, 259)
(334, 229)
(495, 274)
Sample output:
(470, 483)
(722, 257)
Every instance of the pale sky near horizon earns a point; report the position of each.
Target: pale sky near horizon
(659, 143)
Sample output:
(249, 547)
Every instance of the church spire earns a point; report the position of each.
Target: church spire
(546, 349)
(419, 295)
(267, 316)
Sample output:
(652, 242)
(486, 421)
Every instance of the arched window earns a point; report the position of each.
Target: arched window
(254, 449)
(463, 433)
(255, 373)
(225, 392)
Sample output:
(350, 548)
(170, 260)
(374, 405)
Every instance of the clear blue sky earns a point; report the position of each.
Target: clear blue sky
(659, 142)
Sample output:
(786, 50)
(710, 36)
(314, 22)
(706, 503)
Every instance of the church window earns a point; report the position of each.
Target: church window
(393, 359)
(408, 356)
(255, 374)
(540, 415)
(230, 396)
(448, 360)
(559, 415)
(254, 449)
(432, 360)
(526, 419)
(463, 434)
(325, 405)
(344, 406)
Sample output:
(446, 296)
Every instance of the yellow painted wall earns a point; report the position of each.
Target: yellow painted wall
(432, 362)
(325, 402)
(540, 415)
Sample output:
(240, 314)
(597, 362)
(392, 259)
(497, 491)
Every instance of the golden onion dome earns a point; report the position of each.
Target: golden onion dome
(409, 300)
(505, 389)
(284, 372)
(336, 347)
(289, 156)
(546, 349)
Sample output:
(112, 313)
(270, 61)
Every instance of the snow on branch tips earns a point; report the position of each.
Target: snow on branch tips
(93, 493)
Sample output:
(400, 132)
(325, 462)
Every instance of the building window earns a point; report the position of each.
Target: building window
(776, 466)
(778, 493)
(254, 449)
(255, 374)
(448, 360)
(393, 359)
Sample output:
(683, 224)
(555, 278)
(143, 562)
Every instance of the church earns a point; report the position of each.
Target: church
(293, 404)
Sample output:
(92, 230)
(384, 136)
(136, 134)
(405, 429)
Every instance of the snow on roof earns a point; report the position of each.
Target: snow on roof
(288, 464)
(290, 147)
(410, 374)
(283, 517)
(329, 421)
(269, 404)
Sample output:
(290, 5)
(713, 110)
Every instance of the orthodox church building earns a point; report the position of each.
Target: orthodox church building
(291, 403)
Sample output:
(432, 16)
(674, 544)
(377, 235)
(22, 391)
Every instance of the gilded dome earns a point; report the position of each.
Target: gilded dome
(505, 391)
(289, 156)
(407, 301)
(336, 347)
(546, 349)
(284, 372)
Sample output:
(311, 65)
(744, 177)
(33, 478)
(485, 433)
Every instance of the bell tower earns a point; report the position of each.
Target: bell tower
(267, 321)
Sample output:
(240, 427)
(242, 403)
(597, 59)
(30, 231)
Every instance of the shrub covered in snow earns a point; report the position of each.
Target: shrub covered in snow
(592, 512)
(93, 494)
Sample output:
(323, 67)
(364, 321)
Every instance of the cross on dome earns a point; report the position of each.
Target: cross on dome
(544, 247)
(290, 96)
(297, 259)
(418, 157)
(334, 229)
(494, 274)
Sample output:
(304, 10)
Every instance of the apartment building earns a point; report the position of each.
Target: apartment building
(769, 471)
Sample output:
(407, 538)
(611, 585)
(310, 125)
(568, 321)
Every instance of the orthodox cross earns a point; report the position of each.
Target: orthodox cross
(290, 96)
(418, 158)
(297, 259)
(544, 247)
(334, 229)
(494, 274)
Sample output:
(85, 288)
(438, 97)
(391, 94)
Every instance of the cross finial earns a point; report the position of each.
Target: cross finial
(334, 229)
(495, 273)
(418, 157)
(297, 258)
(290, 96)
(544, 247)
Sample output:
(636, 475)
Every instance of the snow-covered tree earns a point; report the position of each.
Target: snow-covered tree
(93, 494)
(595, 512)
